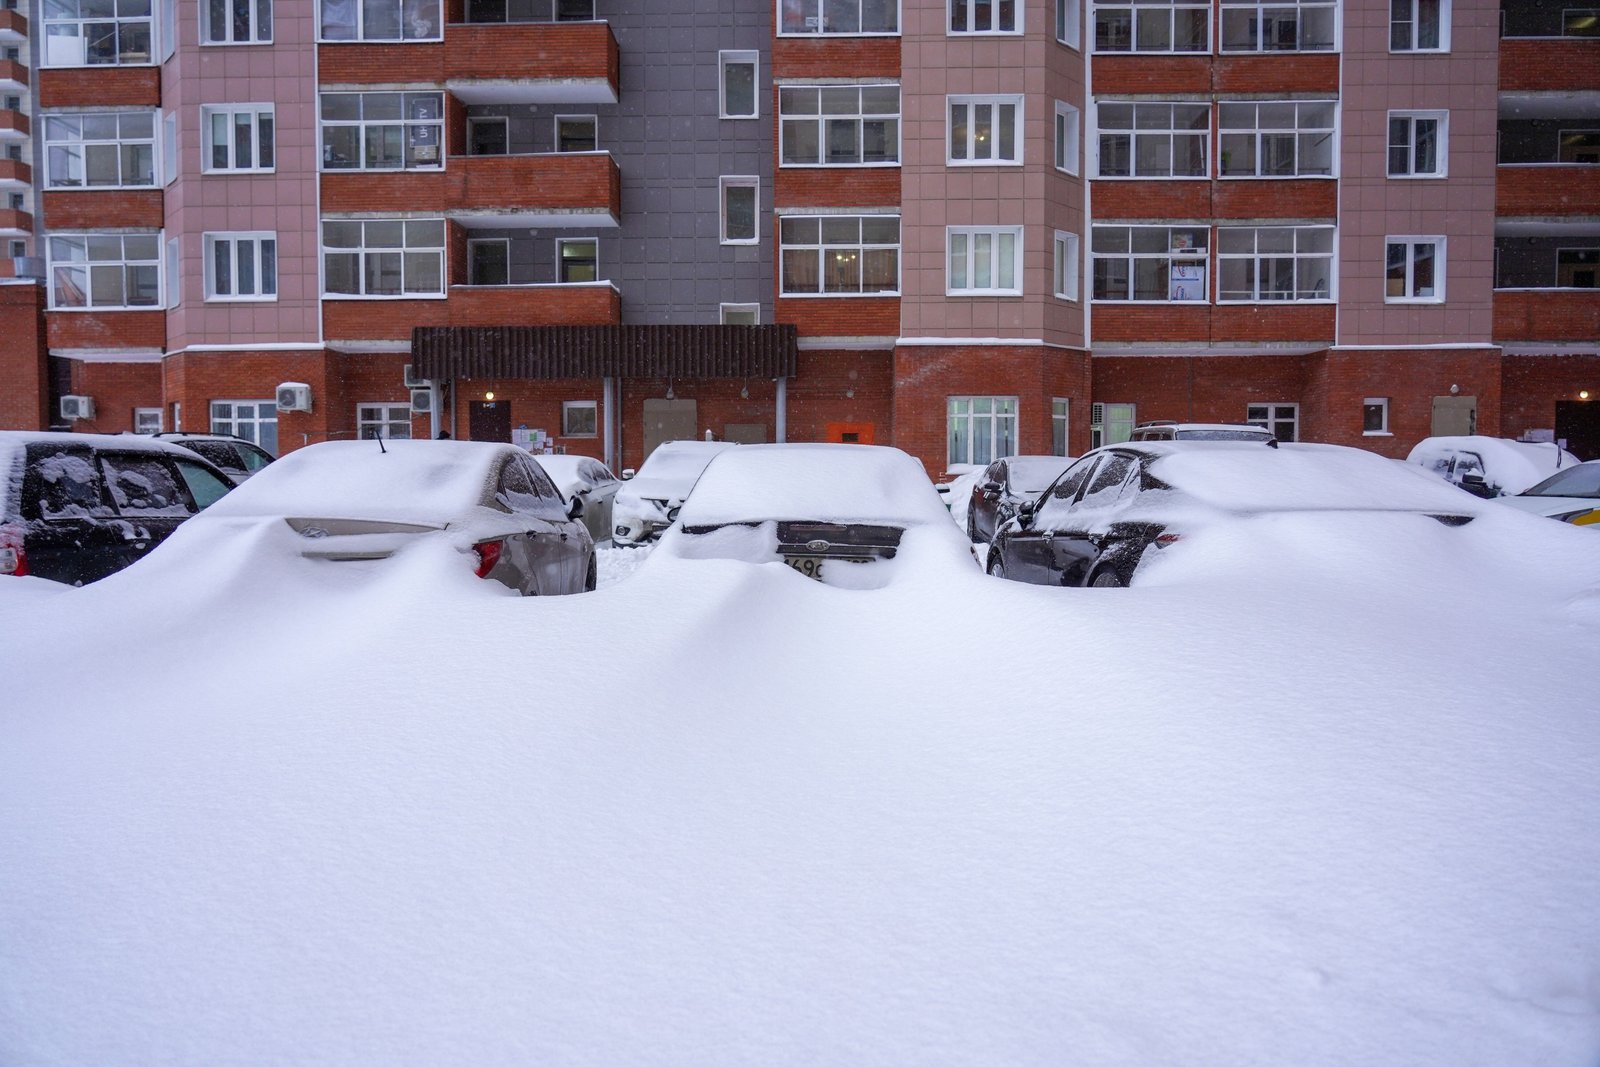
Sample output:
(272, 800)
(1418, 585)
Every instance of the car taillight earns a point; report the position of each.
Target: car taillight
(1167, 540)
(488, 555)
(13, 559)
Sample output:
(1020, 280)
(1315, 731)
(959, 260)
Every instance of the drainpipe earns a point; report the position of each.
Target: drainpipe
(780, 431)
(608, 400)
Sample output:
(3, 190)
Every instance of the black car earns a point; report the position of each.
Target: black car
(234, 456)
(77, 507)
(1002, 488)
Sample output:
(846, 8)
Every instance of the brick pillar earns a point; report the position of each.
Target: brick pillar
(24, 383)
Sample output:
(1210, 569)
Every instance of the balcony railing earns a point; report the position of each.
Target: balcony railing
(575, 304)
(531, 62)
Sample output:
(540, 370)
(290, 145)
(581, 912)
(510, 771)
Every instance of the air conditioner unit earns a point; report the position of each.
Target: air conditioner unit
(77, 407)
(294, 396)
(421, 401)
(1097, 414)
(414, 382)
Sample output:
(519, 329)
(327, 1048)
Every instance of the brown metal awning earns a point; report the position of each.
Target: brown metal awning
(608, 351)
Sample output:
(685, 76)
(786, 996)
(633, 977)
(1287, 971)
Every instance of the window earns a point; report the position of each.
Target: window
(1158, 263)
(839, 125)
(985, 16)
(578, 259)
(985, 129)
(1068, 136)
(1282, 419)
(381, 20)
(984, 261)
(489, 261)
(1414, 270)
(982, 429)
(1274, 263)
(1066, 265)
(577, 133)
(113, 150)
(574, 10)
(1287, 139)
(105, 271)
(741, 314)
(169, 148)
(1576, 268)
(238, 137)
(1060, 410)
(579, 418)
(1153, 26)
(383, 257)
(254, 420)
(737, 97)
(390, 421)
(236, 22)
(1110, 424)
(1154, 140)
(1278, 25)
(838, 16)
(1580, 22)
(739, 210)
(18, 201)
(146, 420)
(840, 255)
(1419, 25)
(1067, 22)
(174, 276)
(1375, 416)
(241, 266)
(91, 33)
(1417, 146)
(1578, 146)
(381, 131)
(488, 136)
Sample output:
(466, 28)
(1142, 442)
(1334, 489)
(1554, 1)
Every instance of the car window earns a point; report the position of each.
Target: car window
(596, 473)
(144, 485)
(219, 453)
(64, 483)
(515, 490)
(205, 487)
(1107, 483)
(1055, 501)
(254, 458)
(1467, 463)
(1580, 481)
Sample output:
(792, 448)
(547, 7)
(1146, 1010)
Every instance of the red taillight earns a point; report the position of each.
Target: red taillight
(13, 560)
(1167, 540)
(488, 555)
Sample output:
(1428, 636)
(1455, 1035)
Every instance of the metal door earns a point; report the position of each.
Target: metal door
(1455, 416)
(489, 420)
(668, 420)
(1578, 427)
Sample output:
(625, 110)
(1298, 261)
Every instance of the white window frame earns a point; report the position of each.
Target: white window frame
(966, 242)
(1412, 242)
(82, 29)
(358, 25)
(1299, 130)
(1179, 240)
(970, 8)
(258, 240)
(1308, 262)
(568, 406)
(147, 420)
(555, 129)
(77, 146)
(1277, 412)
(962, 408)
(472, 261)
(753, 310)
(1382, 403)
(1069, 23)
(738, 57)
(739, 181)
(562, 242)
(1137, 135)
(837, 245)
(824, 118)
(231, 114)
(254, 9)
(169, 148)
(252, 423)
(1415, 22)
(1259, 14)
(1061, 425)
(382, 414)
(419, 252)
(815, 22)
(174, 276)
(970, 105)
(1120, 418)
(1066, 251)
(63, 268)
(1068, 138)
(1152, 12)
(410, 132)
(1441, 144)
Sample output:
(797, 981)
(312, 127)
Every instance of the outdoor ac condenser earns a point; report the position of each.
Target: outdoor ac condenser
(294, 396)
(77, 407)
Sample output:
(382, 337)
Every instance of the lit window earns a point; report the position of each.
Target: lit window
(578, 260)
(840, 255)
(985, 129)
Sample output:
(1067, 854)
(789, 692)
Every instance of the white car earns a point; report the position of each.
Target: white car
(648, 503)
(586, 479)
(1490, 466)
(1571, 495)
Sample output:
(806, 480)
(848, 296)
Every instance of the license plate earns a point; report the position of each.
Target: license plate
(810, 566)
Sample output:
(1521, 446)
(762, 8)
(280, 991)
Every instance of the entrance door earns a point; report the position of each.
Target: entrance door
(668, 420)
(1578, 424)
(1455, 416)
(855, 433)
(489, 420)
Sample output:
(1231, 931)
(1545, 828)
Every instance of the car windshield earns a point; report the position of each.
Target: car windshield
(677, 464)
(1582, 481)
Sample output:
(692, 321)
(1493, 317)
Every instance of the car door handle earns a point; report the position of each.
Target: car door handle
(563, 535)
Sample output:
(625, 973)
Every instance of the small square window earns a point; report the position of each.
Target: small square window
(580, 418)
(1375, 416)
(489, 261)
(741, 314)
(577, 133)
(578, 260)
(1414, 269)
(146, 420)
(488, 136)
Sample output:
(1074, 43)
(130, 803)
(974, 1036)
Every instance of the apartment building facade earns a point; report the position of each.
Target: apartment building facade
(966, 227)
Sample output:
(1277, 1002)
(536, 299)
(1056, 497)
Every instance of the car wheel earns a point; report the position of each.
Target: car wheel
(1106, 578)
(591, 579)
(997, 566)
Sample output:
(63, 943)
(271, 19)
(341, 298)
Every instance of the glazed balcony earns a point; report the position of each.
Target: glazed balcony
(531, 62)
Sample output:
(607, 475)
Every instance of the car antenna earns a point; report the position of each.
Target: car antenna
(385, 451)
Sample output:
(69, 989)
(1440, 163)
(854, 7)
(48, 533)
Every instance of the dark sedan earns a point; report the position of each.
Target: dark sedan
(1004, 486)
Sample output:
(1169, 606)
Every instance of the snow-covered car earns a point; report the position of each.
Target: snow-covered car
(1572, 494)
(586, 479)
(234, 456)
(648, 503)
(1202, 431)
(1002, 488)
(836, 513)
(1490, 466)
(1108, 512)
(347, 501)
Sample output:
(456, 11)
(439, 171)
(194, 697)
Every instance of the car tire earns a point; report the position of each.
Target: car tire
(1107, 578)
(997, 566)
(592, 579)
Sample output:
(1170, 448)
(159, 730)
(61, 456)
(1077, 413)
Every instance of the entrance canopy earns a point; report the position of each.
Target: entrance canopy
(442, 353)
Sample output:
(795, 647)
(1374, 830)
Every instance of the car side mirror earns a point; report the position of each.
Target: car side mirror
(575, 507)
(627, 472)
(1025, 512)
(1477, 485)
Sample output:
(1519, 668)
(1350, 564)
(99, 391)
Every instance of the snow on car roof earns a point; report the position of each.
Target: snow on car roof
(358, 479)
(1033, 474)
(837, 482)
(1511, 465)
(681, 459)
(13, 442)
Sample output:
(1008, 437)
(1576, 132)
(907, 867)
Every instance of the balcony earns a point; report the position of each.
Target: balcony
(548, 189)
(1547, 190)
(13, 76)
(1547, 281)
(15, 174)
(580, 304)
(15, 223)
(14, 126)
(531, 62)
(13, 28)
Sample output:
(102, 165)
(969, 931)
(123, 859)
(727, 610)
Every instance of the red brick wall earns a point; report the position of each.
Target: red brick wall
(842, 387)
(530, 50)
(380, 320)
(14, 22)
(95, 210)
(1531, 385)
(1277, 72)
(117, 388)
(546, 181)
(822, 187)
(861, 316)
(380, 64)
(14, 170)
(1115, 74)
(1285, 199)
(98, 86)
(1410, 379)
(108, 329)
(1152, 322)
(1547, 190)
(1551, 315)
(1205, 388)
(537, 406)
(842, 57)
(1569, 64)
(11, 219)
(542, 306)
(14, 120)
(13, 71)
(24, 398)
